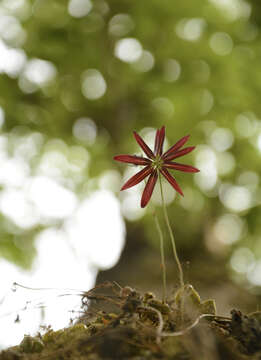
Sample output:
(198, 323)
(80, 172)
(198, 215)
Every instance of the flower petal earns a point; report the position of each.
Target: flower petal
(148, 190)
(143, 145)
(137, 178)
(156, 143)
(176, 146)
(132, 159)
(171, 180)
(180, 167)
(159, 140)
(179, 153)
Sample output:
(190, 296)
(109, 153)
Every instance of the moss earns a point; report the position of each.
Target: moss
(64, 335)
(31, 344)
(140, 327)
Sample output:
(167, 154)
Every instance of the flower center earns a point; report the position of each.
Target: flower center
(157, 163)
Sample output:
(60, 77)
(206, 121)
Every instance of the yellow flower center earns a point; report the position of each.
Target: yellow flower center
(157, 163)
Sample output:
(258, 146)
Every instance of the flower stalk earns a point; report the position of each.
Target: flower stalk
(181, 277)
(163, 263)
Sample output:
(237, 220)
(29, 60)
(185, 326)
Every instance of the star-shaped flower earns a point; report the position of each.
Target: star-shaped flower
(156, 163)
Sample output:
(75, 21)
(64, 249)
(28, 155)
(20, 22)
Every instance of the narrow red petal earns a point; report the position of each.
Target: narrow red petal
(148, 190)
(180, 167)
(179, 153)
(156, 144)
(176, 146)
(171, 180)
(143, 145)
(161, 140)
(132, 159)
(137, 178)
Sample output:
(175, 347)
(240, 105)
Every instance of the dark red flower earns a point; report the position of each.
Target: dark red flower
(156, 163)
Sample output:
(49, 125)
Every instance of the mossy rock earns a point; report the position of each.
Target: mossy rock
(142, 327)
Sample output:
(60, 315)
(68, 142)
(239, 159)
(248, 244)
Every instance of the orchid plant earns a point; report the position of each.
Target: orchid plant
(156, 165)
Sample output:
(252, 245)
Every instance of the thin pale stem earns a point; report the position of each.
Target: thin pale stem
(163, 264)
(181, 278)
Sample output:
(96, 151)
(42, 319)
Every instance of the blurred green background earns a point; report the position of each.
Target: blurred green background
(78, 76)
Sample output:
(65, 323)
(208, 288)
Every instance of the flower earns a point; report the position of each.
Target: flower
(156, 163)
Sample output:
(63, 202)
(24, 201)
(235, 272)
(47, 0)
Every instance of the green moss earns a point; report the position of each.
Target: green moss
(142, 327)
(31, 344)
(64, 335)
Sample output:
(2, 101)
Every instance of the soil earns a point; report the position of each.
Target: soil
(121, 323)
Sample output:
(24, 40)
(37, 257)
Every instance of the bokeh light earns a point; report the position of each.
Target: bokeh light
(172, 70)
(121, 25)
(145, 62)
(85, 130)
(190, 29)
(206, 161)
(235, 198)
(12, 60)
(47, 199)
(79, 8)
(233, 9)
(93, 84)
(221, 43)
(128, 50)
(222, 139)
(228, 229)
